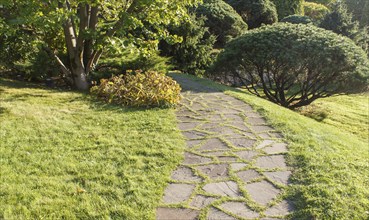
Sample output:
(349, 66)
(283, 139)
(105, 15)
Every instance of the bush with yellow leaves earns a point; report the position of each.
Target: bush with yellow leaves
(149, 89)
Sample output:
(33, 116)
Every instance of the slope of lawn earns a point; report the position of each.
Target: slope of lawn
(330, 158)
(64, 156)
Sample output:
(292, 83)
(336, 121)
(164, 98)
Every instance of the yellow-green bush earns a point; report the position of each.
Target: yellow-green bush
(149, 89)
(315, 11)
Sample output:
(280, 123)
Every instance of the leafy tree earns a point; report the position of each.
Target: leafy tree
(255, 13)
(340, 21)
(90, 26)
(194, 54)
(288, 7)
(297, 19)
(293, 65)
(315, 11)
(323, 2)
(222, 20)
(359, 10)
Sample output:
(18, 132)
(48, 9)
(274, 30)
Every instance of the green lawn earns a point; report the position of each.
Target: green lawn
(330, 158)
(66, 156)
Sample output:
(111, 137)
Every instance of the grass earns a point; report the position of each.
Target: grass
(329, 157)
(65, 156)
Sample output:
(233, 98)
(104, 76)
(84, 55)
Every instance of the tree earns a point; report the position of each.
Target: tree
(194, 54)
(315, 11)
(222, 20)
(341, 22)
(359, 10)
(255, 13)
(90, 26)
(293, 65)
(288, 7)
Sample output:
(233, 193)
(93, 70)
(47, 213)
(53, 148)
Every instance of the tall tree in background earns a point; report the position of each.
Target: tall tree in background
(89, 26)
(359, 10)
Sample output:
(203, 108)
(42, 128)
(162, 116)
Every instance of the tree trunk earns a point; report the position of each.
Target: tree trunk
(80, 78)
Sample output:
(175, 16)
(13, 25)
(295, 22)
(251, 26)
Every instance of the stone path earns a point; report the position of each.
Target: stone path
(234, 165)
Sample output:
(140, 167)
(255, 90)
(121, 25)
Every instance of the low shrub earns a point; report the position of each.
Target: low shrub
(293, 65)
(297, 19)
(288, 7)
(149, 89)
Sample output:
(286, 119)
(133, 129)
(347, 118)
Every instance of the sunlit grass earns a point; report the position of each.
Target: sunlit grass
(66, 156)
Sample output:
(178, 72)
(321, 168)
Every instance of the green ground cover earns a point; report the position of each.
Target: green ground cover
(330, 157)
(64, 155)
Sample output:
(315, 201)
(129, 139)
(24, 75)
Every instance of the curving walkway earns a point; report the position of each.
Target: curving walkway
(234, 165)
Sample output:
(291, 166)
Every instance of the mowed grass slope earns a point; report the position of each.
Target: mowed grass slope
(65, 156)
(330, 158)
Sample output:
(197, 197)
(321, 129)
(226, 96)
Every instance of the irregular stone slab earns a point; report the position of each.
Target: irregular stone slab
(185, 174)
(177, 193)
(214, 117)
(276, 135)
(264, 135)
(237, 166)
(248, 175)
(214, 144)
(193, 143)
(264, 144)
(262, 192)
(208, 125)
(193, 134)
(271, 162)
(279, 176)
(235, 118)
(242, 142)
(281, 209)
(176, 213)
(239, 125)
(214, 171)
(186, 119)
(256, 121)
(215, 214)
(247, 155)
(239, 209)
(191, 159)
(261, 128)
(227, 159)
(201, 201)
(228, 111)
(187, 125)
(221, 130)
(228, 188)
(276, 148)
(214, 153)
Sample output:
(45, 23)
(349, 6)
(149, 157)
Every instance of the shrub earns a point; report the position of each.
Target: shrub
(223, 22)
(297, 19)
(194, 54)
(150, 89)
(255, 13)
(315, 11)
(289, 7)
(293, 65)
(323, 2)
(359, 10)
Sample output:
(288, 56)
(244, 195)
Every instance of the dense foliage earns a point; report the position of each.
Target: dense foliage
(323, 2)
(149, 89)
(85, 29)
(255, 13)
(223, 21)
(341, 22)
(297, 19)
(288, 7)
(194, 54)
(359, 10)
(315, 11)
(293, 65)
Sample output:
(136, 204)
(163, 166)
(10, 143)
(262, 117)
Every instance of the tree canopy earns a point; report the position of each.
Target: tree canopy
(82, 29)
